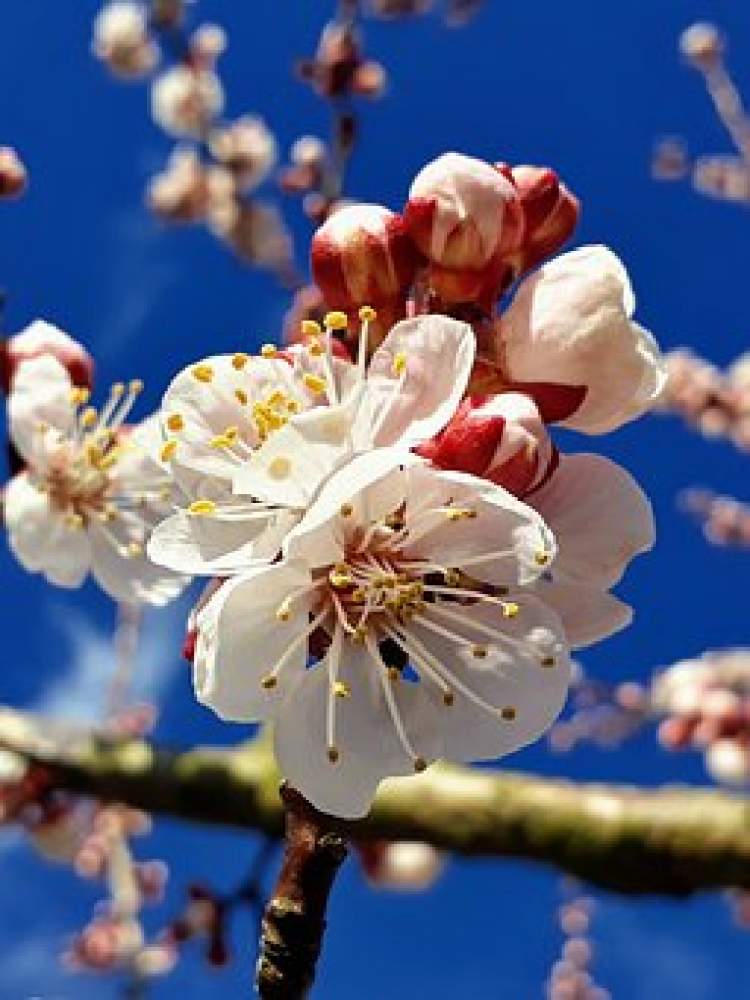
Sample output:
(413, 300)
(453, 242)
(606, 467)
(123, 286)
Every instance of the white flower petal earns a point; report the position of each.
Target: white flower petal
(40, 538)
(368, 746)
(510, 677)
(600, 516)
(241, 640)
(438, 355)
(502, 542)
(129, 577)
(588, 614)
(204, 546)
(369, 487)
(569, 324)
(40, 395)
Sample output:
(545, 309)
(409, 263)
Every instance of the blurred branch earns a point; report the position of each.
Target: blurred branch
(673, 840)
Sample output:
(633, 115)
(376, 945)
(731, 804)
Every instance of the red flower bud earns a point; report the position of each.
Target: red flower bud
(551, 214)
(501, 438)
(41, 338)
(363, 256)
(13, 176)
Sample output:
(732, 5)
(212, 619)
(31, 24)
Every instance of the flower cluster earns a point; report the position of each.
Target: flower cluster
(715, 403)
(88, 490)
(399, 569)
(725, 521)
(706, 702)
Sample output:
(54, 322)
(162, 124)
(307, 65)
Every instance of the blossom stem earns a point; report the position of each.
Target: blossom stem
(295, 918)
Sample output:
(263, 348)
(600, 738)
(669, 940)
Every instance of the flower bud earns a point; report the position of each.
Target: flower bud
(41, 338)
(13, 176)
(362, 255)
(702, 45)
(122, 39)
(247, 148)
(728, 761)
(403, 865)
(185, 101)
(550, 212)
(570, 325)
(501, 438)
(461, 212)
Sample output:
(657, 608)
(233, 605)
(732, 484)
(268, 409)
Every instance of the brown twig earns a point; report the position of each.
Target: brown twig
(295, 918)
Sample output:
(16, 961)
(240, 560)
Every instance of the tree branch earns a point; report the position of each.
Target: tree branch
(673, 841)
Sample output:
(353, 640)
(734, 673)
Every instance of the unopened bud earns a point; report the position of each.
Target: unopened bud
(13, 176)
(402, 865)
(185, 101)
(247, 148)
(501, 438)
(122, 39)
(702, 45)
(462, 212)
(550, 211)
(363, 255)
(728, 762)
(39, 339)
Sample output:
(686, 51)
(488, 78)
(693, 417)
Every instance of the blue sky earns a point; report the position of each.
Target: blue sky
(582, 86)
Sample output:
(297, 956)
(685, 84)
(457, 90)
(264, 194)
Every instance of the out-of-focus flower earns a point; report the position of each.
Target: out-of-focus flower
(491, 658)
(670, 160)
(570, 325)
(550, 212)
(255, 231)
(207, 43)
(122, 39)
(702, 45)
(185, 101)
(91, 490)
(466, 217)
(339, 67)
(406, 865)
(723, 177)
(728, 762)
(246, 148)
(13, 175)
(41, 339)
(364, 254)
(387, 9)
(726, 521)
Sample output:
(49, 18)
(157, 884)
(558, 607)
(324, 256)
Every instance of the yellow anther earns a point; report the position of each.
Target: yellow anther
(277, 398)
(111, 458)
(221, 441)
(315, 383)
(202, 507)
(268, 682)
(448, 698)
(315, 347)
(117, 389)
(342, 690)
(93, 455)
(394, 674)
(133, 550)
(74, 521)
(547, 661)
(358, 596)
(232, 432)
(510, 609)
(269, 350)
(541, 558)
(336, 320)
(241, 396)
(175, 422)
(310, 328)
(203, 373)
(399, 363)
(280, 467)
(293, 406)
(168, 451)
(79, 395)
(239, 361)
(346, 509)
(479, 651)
(367, 314)
(108, 514)
(284, 611)
(452, 577)
(420, 764)
(89, 417)
(136, 386)
(508, 713)
(460, 513)
(340, 578)
(332, 754)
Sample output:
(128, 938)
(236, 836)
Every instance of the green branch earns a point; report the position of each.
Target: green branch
(671, 840)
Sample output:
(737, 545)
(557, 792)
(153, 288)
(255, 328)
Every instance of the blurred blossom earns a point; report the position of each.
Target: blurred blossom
(398, 8)
(185, 101)
(339, 67)
(122, 39)
(207, 43)
(13, 175)
(247, 149)
(41, 339)
(702, 45)
(670, 159)
(401, 865)
(723, 177)
(725, 521)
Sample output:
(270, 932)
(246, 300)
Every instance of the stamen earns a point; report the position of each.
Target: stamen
(336, 320)
(239, 361)
(175, 422)
(203, 373)
(310, 328)
(315, 383)
(202, 507)
(399, 363)
(241, 396)
(269, 351)
(280, 467)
